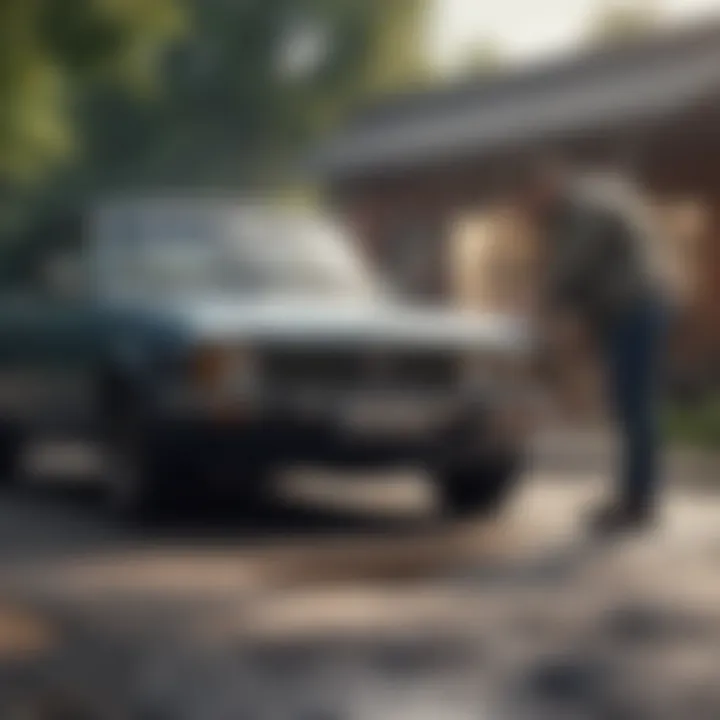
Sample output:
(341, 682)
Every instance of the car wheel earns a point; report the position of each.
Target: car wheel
(11, 445)
(147, 479)
(481, 487)
(252, 494)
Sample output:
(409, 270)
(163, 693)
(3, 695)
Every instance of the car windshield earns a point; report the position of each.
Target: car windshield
(234, 251)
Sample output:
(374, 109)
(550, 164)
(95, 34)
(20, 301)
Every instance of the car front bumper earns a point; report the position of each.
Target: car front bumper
(428, 434)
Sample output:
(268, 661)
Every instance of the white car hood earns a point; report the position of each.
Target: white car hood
(331, 321)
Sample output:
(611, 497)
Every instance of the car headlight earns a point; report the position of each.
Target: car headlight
(226, 371)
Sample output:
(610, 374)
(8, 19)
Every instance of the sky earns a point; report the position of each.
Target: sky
(527, 29)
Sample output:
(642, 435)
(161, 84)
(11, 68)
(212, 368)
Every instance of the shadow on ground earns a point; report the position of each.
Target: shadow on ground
(312, 613)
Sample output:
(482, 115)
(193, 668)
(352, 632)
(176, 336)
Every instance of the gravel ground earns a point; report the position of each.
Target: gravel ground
(349, 601)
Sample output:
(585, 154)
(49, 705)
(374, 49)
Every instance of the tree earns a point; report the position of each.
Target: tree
(231, 103)
(251, 85)
(51, 52)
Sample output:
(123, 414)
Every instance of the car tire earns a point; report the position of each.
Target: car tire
(480, 488)
(252, 496)
(149, 479)
(163, 475)
(11, 445)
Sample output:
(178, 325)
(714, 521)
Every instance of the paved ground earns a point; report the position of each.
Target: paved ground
(350, 601)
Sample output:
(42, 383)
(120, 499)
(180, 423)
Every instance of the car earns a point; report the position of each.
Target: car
(208, 344)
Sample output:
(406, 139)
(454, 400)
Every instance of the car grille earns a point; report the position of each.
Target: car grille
(344, 369)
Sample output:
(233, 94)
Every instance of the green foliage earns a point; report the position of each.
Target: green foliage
(113, 95)
(115, 40)
(696, 424)
(52, 51)
(257, 80)
(248, 87)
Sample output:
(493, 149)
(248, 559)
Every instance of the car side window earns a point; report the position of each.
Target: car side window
(57, 273)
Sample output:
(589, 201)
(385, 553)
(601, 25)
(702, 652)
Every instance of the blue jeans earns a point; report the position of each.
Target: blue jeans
(634, 349)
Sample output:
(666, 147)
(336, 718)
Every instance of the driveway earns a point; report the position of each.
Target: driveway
(350, 600)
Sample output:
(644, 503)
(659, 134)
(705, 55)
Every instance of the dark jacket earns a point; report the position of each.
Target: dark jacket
(600, 256)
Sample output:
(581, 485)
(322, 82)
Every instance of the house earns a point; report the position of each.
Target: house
(417, 174)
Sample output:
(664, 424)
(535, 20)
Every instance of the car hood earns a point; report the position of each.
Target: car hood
(299, 320)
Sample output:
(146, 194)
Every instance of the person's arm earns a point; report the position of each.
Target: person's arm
(571, 264)
(560, 332)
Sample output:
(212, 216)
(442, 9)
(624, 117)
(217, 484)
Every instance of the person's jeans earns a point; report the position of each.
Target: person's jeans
(634, 354)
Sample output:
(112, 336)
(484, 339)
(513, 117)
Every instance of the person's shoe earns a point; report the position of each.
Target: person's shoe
(618, 518)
